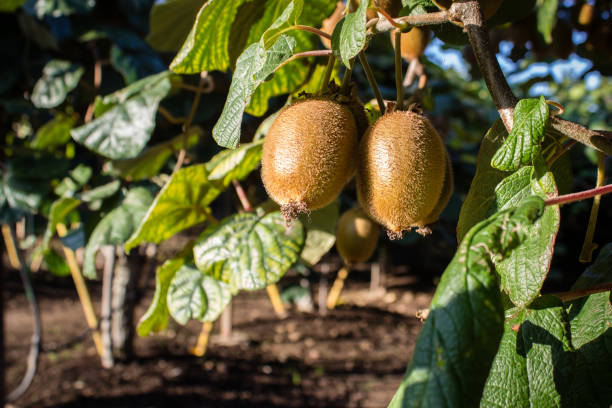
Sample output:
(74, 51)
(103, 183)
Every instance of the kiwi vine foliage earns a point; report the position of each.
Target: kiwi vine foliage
(99, 155)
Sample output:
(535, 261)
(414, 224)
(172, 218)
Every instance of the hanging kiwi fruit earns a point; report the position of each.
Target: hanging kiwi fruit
(413, 42)
(356, 236)
(309, 152)
(404, 178)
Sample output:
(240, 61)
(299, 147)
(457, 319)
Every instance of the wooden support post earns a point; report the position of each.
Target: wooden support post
(334, 293)
(81, 287)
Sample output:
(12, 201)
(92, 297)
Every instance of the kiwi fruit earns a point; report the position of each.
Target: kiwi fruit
(401, 171)
(309, 153)
(447, 192)
(413, 42)
(356, 236)
(488, 7)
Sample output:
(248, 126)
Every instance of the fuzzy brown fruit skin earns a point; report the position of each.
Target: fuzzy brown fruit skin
(413, 42)
(309, 154)
(447, 192)
(401, 169)
(356, 236)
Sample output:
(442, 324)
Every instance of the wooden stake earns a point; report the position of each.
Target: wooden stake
(275, 298)
(334, 293)
(10, 249)
(200, 349)
(81, 287)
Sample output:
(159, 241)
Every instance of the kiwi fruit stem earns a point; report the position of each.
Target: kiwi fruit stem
(372, 81)
(398, 69)
(328, 71)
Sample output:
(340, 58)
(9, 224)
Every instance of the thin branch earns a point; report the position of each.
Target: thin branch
(328, 72)
(383, 24)
(168, 116)
(305, 54)
(194, 106)
(242, 196)
(372, 81)
(97, 78)
(581, 195)
(586, 254)
(313, 30)
(579, 293)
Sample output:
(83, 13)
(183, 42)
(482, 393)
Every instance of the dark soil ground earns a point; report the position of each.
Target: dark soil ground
(354, 356)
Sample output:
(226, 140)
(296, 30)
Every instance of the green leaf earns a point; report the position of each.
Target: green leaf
(289, 78)
(58, 212)
(287, 18)
(125, 119)
(349, 36)
(116, 226)
(100, 192)
(58, 8)
(481, 194)
(524, 270)
(540, 357)
(58, 79)
(524, 142)
(253, 66)
(182, 203)
(205, 48)
(156, 317)
(249, 252)
(320, 232)
(170, 23)
(54, 133)
(9, 6)
(460, 338)
(150, 161)
(547, 18)
(55, 263)
(599, 272)
(195, 295)
(78, 177)
(236, 164)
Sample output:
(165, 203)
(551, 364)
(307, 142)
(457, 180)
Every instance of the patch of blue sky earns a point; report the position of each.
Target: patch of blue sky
(447, 58)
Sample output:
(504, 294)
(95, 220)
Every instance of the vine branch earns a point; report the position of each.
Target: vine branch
(579, 196)
(576, 294)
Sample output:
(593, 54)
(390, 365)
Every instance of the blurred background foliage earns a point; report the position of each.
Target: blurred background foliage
(50, 48)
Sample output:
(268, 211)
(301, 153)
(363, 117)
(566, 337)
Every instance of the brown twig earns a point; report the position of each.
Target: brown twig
(577, 294)
(242, 196)
(383, 24)
(586, 254)
(579, 196)
(372, 82)
(399, 87)
(97, 79)
(204, 79)
(312, 30)
(305, 54)
(168, 116)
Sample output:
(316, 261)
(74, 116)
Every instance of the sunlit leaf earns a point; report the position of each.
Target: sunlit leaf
(349, 36)
(58, 79)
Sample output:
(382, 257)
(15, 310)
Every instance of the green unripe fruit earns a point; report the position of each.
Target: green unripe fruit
(401, 171)
(309, 154)
(356, 236)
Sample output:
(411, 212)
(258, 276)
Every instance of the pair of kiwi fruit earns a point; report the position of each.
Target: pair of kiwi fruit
(313, 148)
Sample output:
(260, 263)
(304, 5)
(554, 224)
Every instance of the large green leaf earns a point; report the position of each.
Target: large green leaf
(182, 203)
(460, 338)
(482, 190)
(125, 119)
(58, 79)
(235, 164)
(349, 36)
(156, 317)
(58, 212)
(151, 160)
(11, 5)
(248, 251)
(117, 226)
(292, 76)
(54, 133)
(170, 22)
(534, 365)
(524, 142)
(252, 68)
(547, 18)
(524, 270)
(195, 295)
(205, 48)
